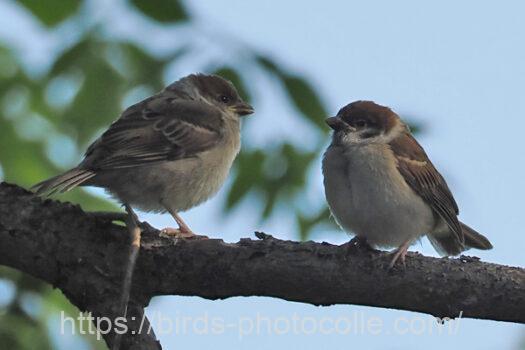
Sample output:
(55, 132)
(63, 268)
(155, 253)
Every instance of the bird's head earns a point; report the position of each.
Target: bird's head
(215, 91)
(364, 122)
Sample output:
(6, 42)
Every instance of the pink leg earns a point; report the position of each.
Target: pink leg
(183, 231)
(400, 253)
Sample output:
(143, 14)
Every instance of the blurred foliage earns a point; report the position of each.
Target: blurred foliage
(51, 12)
(162, 10)
(300, 92)
(48, 119)
(25, 321)
(14, 317)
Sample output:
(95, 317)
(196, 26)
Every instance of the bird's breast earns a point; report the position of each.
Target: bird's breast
(175, 185)
(368, 196)
(195, 180)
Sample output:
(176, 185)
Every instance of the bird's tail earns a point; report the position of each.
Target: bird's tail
(447, 244)
(63, 182)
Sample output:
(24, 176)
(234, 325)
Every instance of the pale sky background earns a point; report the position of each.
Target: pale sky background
(458, 68)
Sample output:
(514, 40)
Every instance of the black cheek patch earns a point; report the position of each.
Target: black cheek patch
(370, 133)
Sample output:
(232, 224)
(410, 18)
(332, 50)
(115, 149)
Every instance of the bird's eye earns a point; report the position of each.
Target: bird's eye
(224, 99)
(360, 123)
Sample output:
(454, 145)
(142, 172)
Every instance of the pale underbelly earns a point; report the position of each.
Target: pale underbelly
(372, 201)
(176, 186)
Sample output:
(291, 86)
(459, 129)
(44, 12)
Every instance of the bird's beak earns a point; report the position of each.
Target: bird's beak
(243, 109)
(337, 124)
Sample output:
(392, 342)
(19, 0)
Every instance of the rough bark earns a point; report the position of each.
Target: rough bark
(82, 254)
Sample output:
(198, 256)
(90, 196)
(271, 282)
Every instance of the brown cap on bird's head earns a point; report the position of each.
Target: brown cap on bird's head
(358, 113)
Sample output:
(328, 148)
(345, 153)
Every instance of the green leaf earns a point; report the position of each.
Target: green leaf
(307, 223)
(306, 100)
(96, 104)
(249, 173)
(8, 64)
(278, 175)
(51, 12)
(74, 56)
(268, 64)
(301, 93)
(23, 162)
(142, 68)
(19, 331)
(162, 10)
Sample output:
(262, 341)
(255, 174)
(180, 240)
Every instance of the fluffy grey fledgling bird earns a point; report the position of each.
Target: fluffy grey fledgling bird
(169, 152)
(380, 184)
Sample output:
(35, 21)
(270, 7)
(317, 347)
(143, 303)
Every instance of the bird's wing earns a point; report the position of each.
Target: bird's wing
(421, 175)
(160, 128)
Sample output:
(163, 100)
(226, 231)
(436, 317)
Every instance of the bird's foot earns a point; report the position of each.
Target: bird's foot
(170, 232)
(399, 254)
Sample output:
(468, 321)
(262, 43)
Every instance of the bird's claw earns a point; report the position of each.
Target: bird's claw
(170, 232)
(399, 254)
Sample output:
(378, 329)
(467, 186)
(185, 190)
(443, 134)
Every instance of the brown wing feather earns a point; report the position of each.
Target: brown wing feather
(157, 129)
(425, 180)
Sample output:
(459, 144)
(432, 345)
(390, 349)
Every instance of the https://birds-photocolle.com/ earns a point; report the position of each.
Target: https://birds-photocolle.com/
(381, 185)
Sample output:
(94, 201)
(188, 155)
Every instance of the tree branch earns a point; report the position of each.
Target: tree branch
(83, 255)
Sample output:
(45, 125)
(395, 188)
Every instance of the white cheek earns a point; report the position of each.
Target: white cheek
(351, 138)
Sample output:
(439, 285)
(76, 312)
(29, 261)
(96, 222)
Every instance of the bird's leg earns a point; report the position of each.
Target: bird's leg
(183, 231)
(400, 253)
(183, 228)
(134, 235)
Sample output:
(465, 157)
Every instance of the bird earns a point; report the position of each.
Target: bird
(168, 153)
(380, 185)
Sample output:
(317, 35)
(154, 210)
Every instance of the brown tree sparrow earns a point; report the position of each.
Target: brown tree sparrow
(380, 184)
(169, 152)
